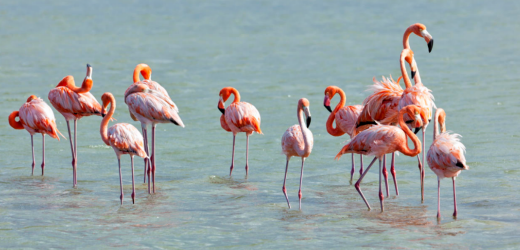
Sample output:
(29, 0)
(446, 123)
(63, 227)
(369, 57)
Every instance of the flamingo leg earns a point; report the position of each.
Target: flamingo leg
(385, 174)
(420, 176)
(75, 153)
(153, 157)
(438, 198)
(361, 162)
(133, 182)
(301, 178)
(232, 156)
(73, 158)
(120, 179)
(381, 197)
(359, 181)
(423, 161)
(145, 142)
(454, 199)
(284, 178)
(247, 154)
(43, 153)
(353, 169)
(32, 147)
(149, 172)
(392, 170)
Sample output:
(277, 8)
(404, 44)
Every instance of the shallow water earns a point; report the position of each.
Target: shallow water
(274, 53)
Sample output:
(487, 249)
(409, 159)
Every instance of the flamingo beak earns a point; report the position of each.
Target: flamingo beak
(428, 38)
(413, 74)
(326, 103)
(308, 115)
(221, 106)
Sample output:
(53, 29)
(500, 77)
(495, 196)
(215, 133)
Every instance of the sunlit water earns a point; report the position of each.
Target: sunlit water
(274, 53)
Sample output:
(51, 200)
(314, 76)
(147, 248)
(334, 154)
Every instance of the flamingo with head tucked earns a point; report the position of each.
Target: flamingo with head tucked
(124, 139)
(238, 117)
(36, 117)
(379, 140)
(345, 117)
(298, 141)
(74, 103)
(446, 157)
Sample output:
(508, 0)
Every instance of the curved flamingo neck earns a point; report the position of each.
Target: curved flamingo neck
(12, 120)
(406, 37)
(406, 79)
(68, 82)
(144, 70)
(304, 129)
(330, 121)
(236, 94)
(405, 149)
(440, 117)
(104, 123)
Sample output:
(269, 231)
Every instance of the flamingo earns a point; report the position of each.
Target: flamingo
(418, 29)
(36, 117)
(446, 157)
(379, 140)
(74, 103)
(298, 141)
(124, 139)
(150, 106)
(345, 117)
(239, 117)
(146, 72)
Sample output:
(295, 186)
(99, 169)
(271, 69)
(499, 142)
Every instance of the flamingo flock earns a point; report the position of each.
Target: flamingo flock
(379, 126)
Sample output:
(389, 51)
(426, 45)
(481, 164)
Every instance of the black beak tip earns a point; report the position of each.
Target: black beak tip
(430, 46)
(417, 130)
(102, 115)
(88, 66)
(328, 108)
(222, 110)
(308, 121)
(413, 74)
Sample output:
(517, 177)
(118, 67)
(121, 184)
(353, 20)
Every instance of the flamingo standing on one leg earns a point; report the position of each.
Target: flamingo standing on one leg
(239, 117)
(383, 139)
(151, 107)
(446, 157)
(146, 72)
(74, 103)
(345, 117)
(36, 117)
(297, 141)
(124, 139)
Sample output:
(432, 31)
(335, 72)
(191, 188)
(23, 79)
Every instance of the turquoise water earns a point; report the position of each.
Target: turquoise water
(274, 53)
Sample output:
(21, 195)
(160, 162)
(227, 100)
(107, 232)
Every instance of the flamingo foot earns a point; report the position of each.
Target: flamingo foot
(230, 169)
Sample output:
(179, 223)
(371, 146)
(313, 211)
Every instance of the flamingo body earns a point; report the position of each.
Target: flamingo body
(446, 155)
(74, 105)
(293, 143)
(37, 117)
(126, 139)
(346, 118)
(243, 117)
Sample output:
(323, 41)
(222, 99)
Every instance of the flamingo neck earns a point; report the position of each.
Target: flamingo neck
(144, 70)
(305, 131)
(406, 79)
(330, 121)
(68, 82)
(405, 149)
(12, 120)
(440, 117)
(104, 123)
(406, 37)
(236, 94)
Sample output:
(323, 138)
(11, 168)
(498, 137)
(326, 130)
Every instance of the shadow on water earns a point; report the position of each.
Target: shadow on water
(231, 183)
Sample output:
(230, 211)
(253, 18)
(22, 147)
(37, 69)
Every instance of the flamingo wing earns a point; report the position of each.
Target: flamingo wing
(446, 155)
(127, 139)
(420, 96)
(244, 116)
(376, 140)
(153, 107)
(68, 102)
(346, 118)
(292, 141)
(37, 116)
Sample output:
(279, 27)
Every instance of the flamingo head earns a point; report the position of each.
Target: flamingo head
(304, 105)
(420, 30)
(418, 118)
(224, 95)
(330, 91)
(409, 58)
(32, 97)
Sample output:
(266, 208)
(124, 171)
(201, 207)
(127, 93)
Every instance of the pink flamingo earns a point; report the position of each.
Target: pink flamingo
(151, 107)
(379, 140)
(418, 29)
(36, 117)
(298, 141)
(74, 103)
(446, 157)
(146, 72)
(239, 117)
(345, 116)
(124, 139)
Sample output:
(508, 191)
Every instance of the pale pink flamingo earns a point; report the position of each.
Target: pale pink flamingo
(379, 140)
(36, 117)
(151, 107)
(124, 139)
(298, 141)
(345, 117)
(446, 157)
(146, 72)
(74, 103)
(239, 117)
